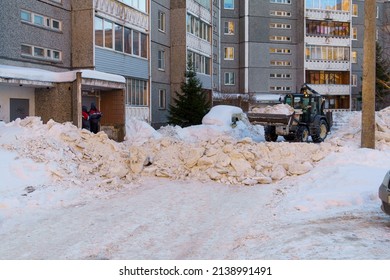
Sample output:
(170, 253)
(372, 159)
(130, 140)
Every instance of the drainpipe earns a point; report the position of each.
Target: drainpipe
(77, 118)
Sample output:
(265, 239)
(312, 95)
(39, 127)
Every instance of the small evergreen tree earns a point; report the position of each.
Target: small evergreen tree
(192, 104)
(382, 86)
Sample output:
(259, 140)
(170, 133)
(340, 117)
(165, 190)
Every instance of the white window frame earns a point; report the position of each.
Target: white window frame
(280, 88)
(355, 10)
(226, 28)
(47, 54)
(354, 33)
(228, 53)
(280, 38)
(280, 76)
(354, 58)
(162, 99)
(279, 51)
(161, 21)
(354, 80)
(47, 22)
(228, 77)
(161, 60)
(278, 25)
(228, 8)
(280, 13)
(280, 63)
(286, 2)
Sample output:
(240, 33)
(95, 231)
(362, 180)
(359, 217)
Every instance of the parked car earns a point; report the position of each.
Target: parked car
(384, 193)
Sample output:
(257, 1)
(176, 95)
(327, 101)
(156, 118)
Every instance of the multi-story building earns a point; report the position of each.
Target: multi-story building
(57, 55)
(270, 48)
(182, 33)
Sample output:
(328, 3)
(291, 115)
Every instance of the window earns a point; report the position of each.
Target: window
(354, 33)
(136, 92)
(26, 16)
(161, 21)
(229, 28)
(200, 62)
(278, 88)
(127, 40)
(354, 80)
(198, 28)
(279, 51)
(41, 53)
(280, 25)
(280, 38)
(354, 57)
(354, 10)
(118, 38)
(228, 4)
(280, 13)
(99, 32)
(26, 50)
(280, 63)
(314, 52)
(108, 32)
(162, 96)
(280, 1)
(136, 42)
(279, 76)
(229, 53)
(161, 60)
(338, 5)
(229, 79)
(55, 24)
(328, 77)
(144, 45)
(122, 39)
(137, 4)
(331, 28)
(39, 20)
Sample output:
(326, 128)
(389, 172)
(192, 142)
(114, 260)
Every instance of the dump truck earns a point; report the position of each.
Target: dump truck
(306, 118)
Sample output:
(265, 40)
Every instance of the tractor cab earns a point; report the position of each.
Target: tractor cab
(308, 103)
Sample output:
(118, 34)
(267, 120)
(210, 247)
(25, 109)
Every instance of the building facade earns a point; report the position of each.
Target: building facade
(58, 55)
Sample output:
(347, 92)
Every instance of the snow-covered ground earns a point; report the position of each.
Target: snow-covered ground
(203, 192)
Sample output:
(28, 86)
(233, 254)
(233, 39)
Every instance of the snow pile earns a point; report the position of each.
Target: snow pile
(283, 109)
(221, 115)
(70, 154)
(205, 152)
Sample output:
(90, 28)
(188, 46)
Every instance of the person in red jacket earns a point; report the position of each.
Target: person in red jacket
(85, 118)
(94, 118)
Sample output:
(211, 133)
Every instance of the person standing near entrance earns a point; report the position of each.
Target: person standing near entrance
(94, 118)
(85, 118)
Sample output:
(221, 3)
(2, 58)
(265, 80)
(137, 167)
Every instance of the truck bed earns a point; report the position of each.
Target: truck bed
(269, 119)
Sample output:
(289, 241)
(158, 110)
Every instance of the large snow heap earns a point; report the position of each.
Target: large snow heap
(213, 151)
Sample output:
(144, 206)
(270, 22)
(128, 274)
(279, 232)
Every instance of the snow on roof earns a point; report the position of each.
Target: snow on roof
(35, 74)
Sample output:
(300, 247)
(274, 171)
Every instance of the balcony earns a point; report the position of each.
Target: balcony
(328, 15)
(199, 10)
(328, 40)
(198, 45)
(331, 89)
(313, 64)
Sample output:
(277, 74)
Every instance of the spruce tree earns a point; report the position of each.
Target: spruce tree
(192, 104)
(382, 86)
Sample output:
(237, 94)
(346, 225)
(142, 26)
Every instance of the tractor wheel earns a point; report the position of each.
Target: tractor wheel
(270, 133)
(385, 207)
(320, 132)
(302, 134)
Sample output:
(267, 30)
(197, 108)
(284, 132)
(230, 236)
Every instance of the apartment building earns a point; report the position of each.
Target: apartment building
(57, 55)
(270, 48)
